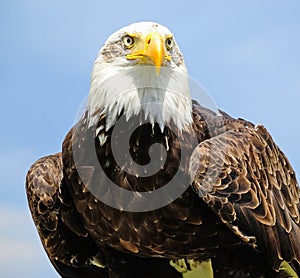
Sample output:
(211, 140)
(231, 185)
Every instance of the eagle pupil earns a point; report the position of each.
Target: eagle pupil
(128, 40)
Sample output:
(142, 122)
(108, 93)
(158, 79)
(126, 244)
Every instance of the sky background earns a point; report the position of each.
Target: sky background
(245, 53)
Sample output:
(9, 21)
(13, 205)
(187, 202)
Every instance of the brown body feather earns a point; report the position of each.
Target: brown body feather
(241, 210)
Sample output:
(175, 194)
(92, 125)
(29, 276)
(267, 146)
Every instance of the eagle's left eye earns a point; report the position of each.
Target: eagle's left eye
(128, 41)
(169, 43)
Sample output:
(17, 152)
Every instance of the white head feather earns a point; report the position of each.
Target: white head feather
(120, 85)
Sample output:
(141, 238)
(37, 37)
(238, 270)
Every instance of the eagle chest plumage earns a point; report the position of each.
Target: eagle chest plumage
(184, 228)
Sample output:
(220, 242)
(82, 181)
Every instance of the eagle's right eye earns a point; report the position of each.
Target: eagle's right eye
(128, 41)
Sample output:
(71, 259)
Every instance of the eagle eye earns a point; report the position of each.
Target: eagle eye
(128, 41)
(169, 42)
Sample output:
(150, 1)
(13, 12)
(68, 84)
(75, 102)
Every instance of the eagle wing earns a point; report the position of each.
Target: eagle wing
(247, 180)
(65, 241)
(69, 247)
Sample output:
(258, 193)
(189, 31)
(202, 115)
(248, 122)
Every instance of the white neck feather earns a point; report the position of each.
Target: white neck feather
(163, 98)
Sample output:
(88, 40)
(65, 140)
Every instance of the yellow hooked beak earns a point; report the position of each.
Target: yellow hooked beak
(150, 50)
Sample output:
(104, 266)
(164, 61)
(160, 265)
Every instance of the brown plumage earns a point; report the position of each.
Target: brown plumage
(247, 221)
(69, 247)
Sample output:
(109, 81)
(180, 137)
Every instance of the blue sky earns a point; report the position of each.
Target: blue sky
(246, 54)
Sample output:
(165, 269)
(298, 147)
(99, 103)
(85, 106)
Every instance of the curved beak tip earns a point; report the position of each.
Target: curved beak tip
(154, 50)
(157, 70)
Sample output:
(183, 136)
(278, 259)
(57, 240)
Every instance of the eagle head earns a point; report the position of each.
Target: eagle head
(140, 69)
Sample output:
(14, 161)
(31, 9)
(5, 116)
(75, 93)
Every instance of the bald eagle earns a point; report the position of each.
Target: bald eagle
(151, 184)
